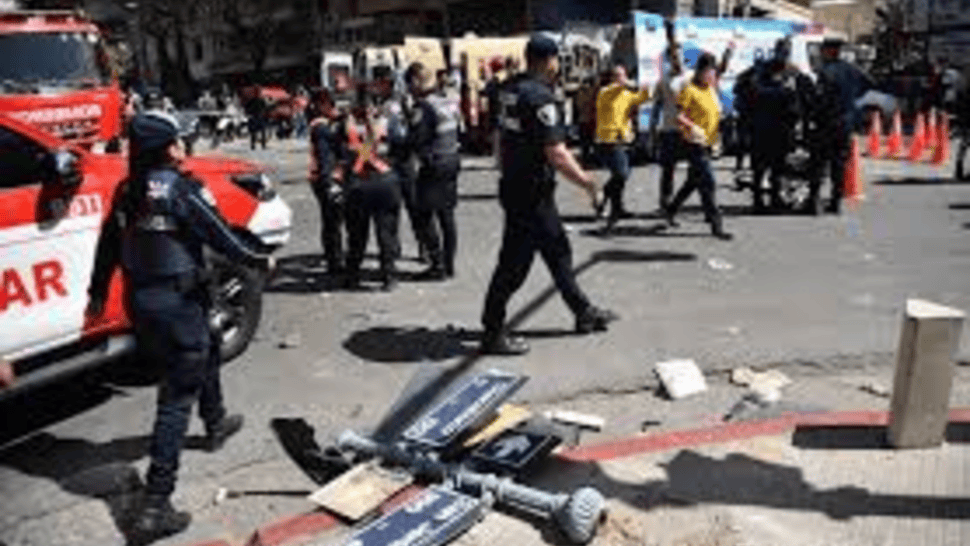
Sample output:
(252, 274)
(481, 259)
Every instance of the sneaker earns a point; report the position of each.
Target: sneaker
(595, 320)
(157, 519)
(217, 435)
(503, 345)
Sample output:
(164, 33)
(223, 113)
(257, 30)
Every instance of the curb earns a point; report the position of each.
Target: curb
(303, 526)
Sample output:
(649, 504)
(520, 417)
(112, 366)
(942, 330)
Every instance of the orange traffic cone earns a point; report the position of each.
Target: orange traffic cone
(918, 143)
(874, 138)
(932, 138)
(942, 153)
(895, 144)
(852, 177)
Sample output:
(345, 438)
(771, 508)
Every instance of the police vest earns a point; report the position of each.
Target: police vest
(155, 244)
(368, 145)
(447, 115)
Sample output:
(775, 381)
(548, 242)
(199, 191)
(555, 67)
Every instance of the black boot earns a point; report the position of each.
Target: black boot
(717, 230)
(501, 344)
(216, 436)
(594, 319)
(435, 272)
(388, 281)
(157, 519)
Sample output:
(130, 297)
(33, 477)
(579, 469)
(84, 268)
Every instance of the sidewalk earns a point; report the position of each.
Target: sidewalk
(785, 477)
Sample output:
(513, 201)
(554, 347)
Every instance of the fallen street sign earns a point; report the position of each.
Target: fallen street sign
(434, 518)
(469, 405)
(515, 449)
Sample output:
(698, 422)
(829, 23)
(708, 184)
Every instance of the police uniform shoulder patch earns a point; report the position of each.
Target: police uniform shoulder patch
(548, 114)
(158, 189)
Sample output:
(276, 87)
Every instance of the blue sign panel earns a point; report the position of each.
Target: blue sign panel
(515, 450)
(464, 408)
(434, 518)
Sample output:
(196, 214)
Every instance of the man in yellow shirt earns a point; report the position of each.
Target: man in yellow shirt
(700, 113)
(615, 106)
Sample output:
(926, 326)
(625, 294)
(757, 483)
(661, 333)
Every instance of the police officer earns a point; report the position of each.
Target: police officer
(433, 135)
(775, 114)
(163, 218)
(373, 192)
(324, 119)
(533, 148)
(840, 86)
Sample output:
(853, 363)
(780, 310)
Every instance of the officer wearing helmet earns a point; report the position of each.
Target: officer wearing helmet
(162, 219)
(532, 149)
(433, 135)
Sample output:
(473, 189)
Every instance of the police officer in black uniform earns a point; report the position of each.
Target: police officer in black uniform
(533, 148)
(324, 120)
(840, 85)
(433, 135)
(776, 111)
(162, 219)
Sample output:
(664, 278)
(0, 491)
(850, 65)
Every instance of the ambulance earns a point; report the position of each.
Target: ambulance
(55, 196)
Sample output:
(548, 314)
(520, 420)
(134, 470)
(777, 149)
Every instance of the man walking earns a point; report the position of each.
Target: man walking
(533, 148)
(615, 106)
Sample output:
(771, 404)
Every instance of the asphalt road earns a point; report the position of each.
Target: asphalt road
(788, 289)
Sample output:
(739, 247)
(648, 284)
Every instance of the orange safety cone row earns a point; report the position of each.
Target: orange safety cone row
(918, 144)
(942, 153)
(894, 148)
(852, 177)
(874, 138)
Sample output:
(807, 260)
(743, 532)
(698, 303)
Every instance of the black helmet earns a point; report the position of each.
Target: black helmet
(153, 130)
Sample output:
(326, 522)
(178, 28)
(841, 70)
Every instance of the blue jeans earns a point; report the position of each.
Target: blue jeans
(617, 160)
(172, 327)
(671, 150)
(700, 177)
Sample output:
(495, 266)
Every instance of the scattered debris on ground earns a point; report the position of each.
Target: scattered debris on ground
(291, 341)
(681, 378)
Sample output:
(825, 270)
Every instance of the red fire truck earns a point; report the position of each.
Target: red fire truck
(54, 74)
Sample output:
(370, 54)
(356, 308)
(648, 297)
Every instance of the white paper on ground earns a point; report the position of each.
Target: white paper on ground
(681, 377)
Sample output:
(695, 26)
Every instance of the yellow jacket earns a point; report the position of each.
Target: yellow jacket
(615, 105)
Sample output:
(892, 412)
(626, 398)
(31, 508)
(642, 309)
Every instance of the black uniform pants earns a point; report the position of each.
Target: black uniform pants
(700, 177)
(526, 232)
(767, 159)
(172, 328)
(406, 176)
(331, 224)
(374, 199)
(834, 155)
(437, 197)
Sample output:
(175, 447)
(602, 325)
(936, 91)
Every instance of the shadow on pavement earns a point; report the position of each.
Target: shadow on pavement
(807, 437)
(101, 471)
(694, 479)
(477, 196)
(414, 344)
(655, 230)
(959, 206)
(302, 274)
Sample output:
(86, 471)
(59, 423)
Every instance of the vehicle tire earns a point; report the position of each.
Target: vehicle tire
(237, 305)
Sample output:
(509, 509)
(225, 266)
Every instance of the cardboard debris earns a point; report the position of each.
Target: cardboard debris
(509, 416)
(582, 420)
(681, 378)
(876, 389)
(766, 386)
(291, 341)
(360, 490)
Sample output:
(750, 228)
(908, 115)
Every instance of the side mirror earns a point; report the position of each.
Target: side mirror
(66, 168)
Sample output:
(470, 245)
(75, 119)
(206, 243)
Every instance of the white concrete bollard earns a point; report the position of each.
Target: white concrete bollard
(924, 374)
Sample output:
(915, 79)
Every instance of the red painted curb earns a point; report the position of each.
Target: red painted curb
(734, 431)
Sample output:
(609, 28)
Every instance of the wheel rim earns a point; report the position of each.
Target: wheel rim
(228, 307)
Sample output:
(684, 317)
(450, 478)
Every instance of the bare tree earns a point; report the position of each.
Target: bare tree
(254, 27)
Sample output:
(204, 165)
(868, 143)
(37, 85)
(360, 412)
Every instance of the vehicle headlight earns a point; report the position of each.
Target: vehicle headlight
(256, 184)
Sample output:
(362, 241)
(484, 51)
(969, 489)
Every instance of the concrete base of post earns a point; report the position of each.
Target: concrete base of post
(924, 374)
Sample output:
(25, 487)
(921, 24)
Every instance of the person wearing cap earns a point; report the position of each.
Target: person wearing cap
(433, 135)
(840, 85)
(160, 222)
(533, 149)
(615, 106)
(700, 114)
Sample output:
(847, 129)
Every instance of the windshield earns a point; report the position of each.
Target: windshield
(55, 58)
